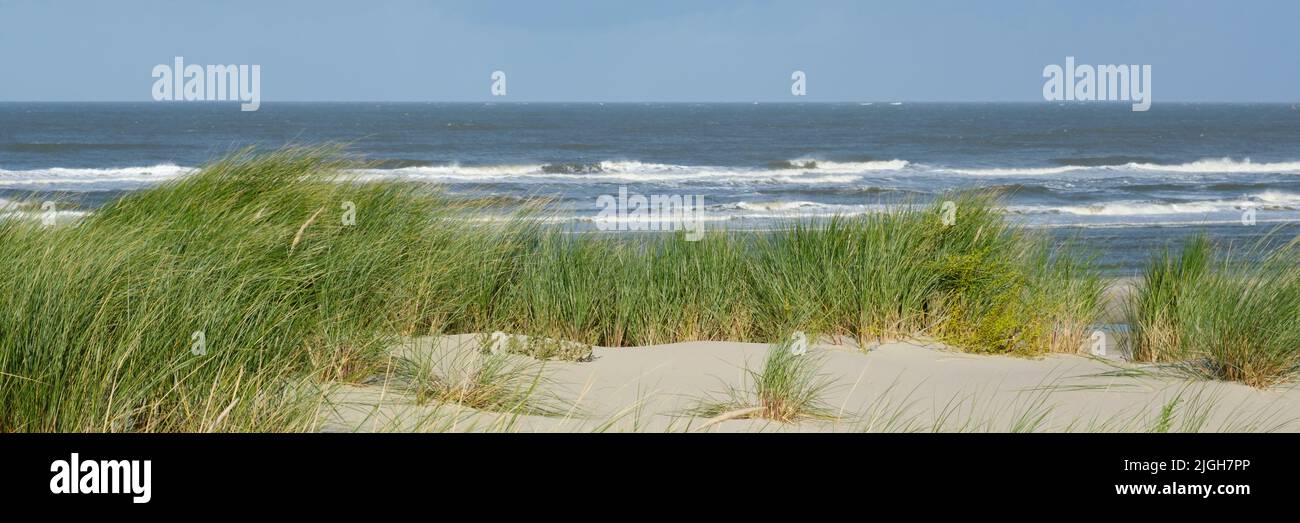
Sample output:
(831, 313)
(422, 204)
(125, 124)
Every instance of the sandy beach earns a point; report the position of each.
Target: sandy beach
(901, 386)
(893, 387)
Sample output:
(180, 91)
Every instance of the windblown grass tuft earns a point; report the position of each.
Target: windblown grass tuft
(206, 303)
(489, 382)
(1221, 317)
(789, 388)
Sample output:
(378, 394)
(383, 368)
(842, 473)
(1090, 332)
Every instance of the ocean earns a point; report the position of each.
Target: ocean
(1122, 183)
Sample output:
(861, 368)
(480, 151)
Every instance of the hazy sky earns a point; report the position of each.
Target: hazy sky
(612, 50)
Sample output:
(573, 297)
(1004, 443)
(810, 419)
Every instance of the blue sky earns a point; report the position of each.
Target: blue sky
(612, 50)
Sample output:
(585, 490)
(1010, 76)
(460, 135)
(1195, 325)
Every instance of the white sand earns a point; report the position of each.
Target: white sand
(891, 387)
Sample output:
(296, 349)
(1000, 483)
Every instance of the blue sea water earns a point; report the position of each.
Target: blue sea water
(1122, 181)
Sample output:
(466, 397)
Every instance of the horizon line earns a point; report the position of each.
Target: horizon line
(631, 102)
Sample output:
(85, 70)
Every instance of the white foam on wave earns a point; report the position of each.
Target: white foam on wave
(1209, 165)
(80, 176)
(1011, 171)
(759, 211)
(635, 172)
(1278, 198)
(1266, 201)
(536, 174)
(1127, 208)
(849, 167)
(1154, 223)
(801, 171)
(59, 217)
(1219, 165)
(617, 171)
(775, 206)
(796, 209)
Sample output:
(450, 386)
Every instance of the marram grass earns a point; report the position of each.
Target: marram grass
(1219, 315)
(256, 257)
(787, 389)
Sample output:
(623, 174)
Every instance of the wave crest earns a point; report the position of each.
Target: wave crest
(77, 176)
(1208, 165)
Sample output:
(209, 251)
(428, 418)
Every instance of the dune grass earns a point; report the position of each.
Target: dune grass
(100, 318)
(788, 388)
(1153, 308)
(487, 382)
(256, 256)
(1221, 315)
(980, 284)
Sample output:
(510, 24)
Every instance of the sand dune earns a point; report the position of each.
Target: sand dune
(904, 386)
